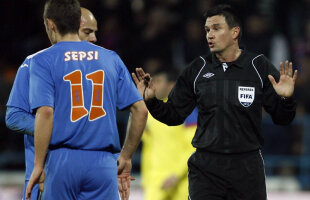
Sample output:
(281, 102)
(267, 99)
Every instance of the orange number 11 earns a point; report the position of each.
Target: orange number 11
(78, 109)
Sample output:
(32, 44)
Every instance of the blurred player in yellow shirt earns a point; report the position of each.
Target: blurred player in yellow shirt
(166, 149)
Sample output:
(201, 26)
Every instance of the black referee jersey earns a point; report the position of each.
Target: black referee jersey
(229, 97)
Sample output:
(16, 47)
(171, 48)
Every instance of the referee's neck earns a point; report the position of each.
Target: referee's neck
(229, 55)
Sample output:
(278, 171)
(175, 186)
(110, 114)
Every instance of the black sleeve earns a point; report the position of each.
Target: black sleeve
(281, 110)
(181, 100)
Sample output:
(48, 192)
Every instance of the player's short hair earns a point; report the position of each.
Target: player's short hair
(66, 14)
(231, 16)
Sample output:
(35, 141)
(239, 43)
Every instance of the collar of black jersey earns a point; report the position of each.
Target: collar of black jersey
(240, 62)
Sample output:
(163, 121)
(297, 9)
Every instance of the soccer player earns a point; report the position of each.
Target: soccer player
(164, 163)
(19, 117)
(75, 88)
(229, 86)
(88, 26)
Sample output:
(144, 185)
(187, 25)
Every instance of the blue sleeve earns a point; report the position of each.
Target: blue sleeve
(19, 120)
(19, 96)
(42, 89)
(191, 120)
(127, 93)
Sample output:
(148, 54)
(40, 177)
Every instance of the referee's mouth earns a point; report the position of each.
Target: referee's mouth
(211, 44)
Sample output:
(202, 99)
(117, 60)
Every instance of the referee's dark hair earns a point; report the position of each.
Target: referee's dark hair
(66, 14)
(231, 16)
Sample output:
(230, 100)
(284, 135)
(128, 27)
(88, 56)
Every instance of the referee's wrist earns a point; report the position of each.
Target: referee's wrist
(286, 99)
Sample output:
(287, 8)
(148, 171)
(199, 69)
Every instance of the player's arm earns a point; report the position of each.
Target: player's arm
(41, 98)
(19, 120)
(136, 124)
(42, 136)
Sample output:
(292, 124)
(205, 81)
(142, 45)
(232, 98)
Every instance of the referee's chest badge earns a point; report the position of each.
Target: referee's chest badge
(246, 95)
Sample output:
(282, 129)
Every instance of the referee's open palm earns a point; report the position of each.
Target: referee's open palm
(285, 86)
(144, 84)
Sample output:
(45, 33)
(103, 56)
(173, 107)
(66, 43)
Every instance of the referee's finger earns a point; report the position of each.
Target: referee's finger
(140, 73)
(290, 69)
(281, 68)
(135, 78)
(295, 75)
(286, 67)
(271, 79)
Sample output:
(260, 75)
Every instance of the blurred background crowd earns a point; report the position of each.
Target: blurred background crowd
(159, 34)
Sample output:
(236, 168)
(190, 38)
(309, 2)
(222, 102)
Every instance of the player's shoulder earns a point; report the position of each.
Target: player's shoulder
(38, 55)
(102, 50)
(27, 60)
(41, 52)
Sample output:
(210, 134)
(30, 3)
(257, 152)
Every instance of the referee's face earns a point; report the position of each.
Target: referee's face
(220, 38)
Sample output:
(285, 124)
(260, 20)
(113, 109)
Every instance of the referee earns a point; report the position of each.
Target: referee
(229, 86)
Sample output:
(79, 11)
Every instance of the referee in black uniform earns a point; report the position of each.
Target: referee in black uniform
(229, 86)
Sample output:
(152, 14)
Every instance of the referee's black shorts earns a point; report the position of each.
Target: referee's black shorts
(215, 176)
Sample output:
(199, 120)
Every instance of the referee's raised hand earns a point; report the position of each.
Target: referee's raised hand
(285, 86)
(144, 84)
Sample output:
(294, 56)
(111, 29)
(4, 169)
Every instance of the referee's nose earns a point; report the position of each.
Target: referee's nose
(210, 35)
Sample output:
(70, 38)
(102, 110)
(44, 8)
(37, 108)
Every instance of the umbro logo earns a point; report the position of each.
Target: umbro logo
(208, 75)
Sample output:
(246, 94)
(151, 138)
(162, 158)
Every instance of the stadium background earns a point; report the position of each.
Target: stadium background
(163, 33)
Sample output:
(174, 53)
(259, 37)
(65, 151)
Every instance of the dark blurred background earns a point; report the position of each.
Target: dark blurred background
(157, 34)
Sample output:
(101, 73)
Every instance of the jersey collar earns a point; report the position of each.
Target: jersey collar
(240, 62)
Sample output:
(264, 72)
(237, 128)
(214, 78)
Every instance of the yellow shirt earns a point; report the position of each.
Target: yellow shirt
(165, 152)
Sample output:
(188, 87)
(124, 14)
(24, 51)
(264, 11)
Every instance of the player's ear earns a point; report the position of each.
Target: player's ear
(235, 32)
(50, 24)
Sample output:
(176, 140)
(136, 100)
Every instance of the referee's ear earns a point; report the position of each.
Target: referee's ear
(236, 32)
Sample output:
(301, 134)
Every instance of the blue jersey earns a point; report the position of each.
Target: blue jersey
(19, 98)
(84, 83)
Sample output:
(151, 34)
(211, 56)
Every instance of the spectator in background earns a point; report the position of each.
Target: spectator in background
(303, 86)
(154, 64)
(166, 149)
(261, 38)
(156, 36)
(190, 44)
(301, 45)
(112, 33)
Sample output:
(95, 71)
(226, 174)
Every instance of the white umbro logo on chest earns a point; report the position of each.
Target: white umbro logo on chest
(208, 75)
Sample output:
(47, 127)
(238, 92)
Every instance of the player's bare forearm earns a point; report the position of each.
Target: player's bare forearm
(136, 125)
(42, 133)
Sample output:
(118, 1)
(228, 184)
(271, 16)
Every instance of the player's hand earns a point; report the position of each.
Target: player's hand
(170, 182)
(34, 179)
(285, 86)
(124, 178)
(41, 181)
(144, 84)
